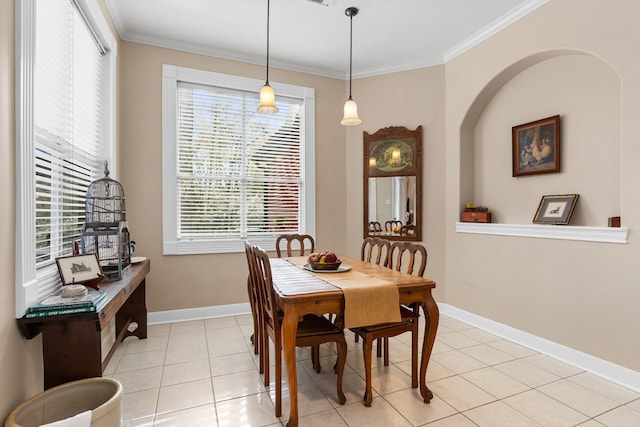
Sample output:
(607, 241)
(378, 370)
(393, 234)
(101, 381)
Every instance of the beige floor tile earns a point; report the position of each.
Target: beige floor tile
(139, 404)
(134, 361)
(480, 335)
(238, 384)
(254, 410)
(457, 361)
(495, 382)
(552, 365)
(512, 348)
(457, 420)
(635, 404)
(158, 330)
(453, 324)
(221, 322)
(222, 334)
(244, 319)
(228, 346)
(606, 388)
(311, 400)
(545, 410)
(135, 345)
(231, 363)
(389, 379)
(187, 327)
(140, 379)
(352, 387)
(456, 340)
(460, 393)
(590, 423)
(195, 350)
(201, 416)
(140, 422)
(187, 338)
(622, 416)
(410, 404)
(323, 419)
(184, 396)
(185, 372)
(578, 397)
(527, 373)
(380, 414)
(497, 414)
(487, 354)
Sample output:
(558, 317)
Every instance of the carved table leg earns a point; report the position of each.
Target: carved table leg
(432, 317)
(289, 331)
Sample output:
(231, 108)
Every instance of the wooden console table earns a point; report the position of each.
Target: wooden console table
(71, 343)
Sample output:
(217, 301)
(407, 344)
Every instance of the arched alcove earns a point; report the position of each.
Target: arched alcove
(586, 93)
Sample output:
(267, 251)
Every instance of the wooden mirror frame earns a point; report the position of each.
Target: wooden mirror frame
(409, 164)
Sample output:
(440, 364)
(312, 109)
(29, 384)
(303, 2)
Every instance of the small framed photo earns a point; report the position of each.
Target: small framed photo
(79, 269)
(536, 147)
(556, 209)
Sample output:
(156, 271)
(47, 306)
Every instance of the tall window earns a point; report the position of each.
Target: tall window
(231, 173)
(62, 138)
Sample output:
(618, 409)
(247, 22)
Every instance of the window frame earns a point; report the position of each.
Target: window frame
(27, 277)
(171, 75)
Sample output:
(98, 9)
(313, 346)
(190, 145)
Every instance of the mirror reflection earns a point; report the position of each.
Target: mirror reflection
(392, 205)
(392, 179)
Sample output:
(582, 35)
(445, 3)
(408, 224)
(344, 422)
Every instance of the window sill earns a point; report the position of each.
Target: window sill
(563, 232)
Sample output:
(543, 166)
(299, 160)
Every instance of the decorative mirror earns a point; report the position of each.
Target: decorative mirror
(393, 183)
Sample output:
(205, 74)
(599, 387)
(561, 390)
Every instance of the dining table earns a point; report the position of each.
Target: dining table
(300, 291)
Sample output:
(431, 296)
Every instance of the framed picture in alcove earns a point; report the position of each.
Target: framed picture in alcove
(536, 147)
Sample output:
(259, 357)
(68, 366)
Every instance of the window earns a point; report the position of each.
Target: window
(230, 173)
(64, 128)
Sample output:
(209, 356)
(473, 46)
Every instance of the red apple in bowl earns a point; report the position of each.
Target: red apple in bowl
(330, 257)
(314, 257)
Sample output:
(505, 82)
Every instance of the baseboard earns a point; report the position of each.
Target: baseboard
(610, 371)
(600, 367)
(187, 314)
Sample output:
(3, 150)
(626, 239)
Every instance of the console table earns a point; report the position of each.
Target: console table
(71, 343)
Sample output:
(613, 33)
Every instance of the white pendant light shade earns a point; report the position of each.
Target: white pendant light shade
(267, 100)
(350, 114)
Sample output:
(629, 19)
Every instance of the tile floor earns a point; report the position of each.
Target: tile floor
(203, 373)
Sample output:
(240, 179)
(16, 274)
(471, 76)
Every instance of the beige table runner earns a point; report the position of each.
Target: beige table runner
(367, 300)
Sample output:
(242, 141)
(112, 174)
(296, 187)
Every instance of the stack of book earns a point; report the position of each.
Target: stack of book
(56, 304)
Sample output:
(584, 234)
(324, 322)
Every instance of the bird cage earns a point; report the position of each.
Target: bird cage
(106, 231)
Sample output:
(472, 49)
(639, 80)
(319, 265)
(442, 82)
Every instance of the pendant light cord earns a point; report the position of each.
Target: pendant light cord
(350, 51)
(268, 1)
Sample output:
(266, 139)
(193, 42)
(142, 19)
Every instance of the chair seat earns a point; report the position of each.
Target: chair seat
(312, 325)
(407, 315)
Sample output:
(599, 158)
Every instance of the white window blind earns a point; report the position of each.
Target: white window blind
(238, 174)
(62, 141)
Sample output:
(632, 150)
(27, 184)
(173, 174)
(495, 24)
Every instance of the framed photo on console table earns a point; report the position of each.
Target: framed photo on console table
(79, 269)
(536, 147)
(555, 209)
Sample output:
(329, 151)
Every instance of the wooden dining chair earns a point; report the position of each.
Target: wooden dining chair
(254, 304)
(391, 226)
(312, 330)
(295, 245)
(415, 256)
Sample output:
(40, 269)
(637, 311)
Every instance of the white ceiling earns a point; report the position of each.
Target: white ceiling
(388, 35)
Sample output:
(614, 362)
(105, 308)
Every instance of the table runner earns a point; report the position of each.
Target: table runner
(367, 300)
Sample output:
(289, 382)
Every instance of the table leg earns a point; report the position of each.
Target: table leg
(432, 317)
(289, 331)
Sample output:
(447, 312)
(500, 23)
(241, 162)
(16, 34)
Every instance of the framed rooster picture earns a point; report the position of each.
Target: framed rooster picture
(536, 147)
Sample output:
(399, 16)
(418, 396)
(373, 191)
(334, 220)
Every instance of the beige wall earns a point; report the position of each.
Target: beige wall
(580, 294)
(178, 282)
(409, 99)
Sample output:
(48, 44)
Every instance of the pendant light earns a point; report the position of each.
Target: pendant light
(350, 108)
(267, 97)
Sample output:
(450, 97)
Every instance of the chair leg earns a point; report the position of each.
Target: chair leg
(386, 350)
(315, 358)
(379, 347)
(414, 355)
(367, 349)
(264, 358)
(278, 381)
(339, 368)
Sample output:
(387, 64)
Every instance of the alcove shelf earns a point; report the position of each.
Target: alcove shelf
(563, 232)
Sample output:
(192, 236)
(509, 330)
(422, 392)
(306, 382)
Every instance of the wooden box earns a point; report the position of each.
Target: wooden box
(476, 216)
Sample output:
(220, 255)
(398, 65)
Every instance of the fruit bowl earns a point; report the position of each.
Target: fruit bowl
(325, 265)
